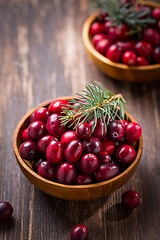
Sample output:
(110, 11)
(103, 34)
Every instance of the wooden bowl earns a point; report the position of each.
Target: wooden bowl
(71, 192)
(119, 71)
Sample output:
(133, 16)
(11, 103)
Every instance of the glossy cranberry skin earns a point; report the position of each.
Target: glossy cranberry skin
(103, 45)
(6, 211)
(127, 45)
(115, 130)
(129, 58)
(36, 130)
(89, 163)
(124, 122)
(79, 232)
(82, 179)
(83, 130)
(31, 118)
(107, 25)
(104, 157)
(73, 151)
(112, 36)
(41, 114)
(143, 48)
(66, 173)
(47, 170)
(92, 145)
(57, 106)
(122, 31)
(37, 162)
(67, 137)
(106, 171)
(102, 15)
(96, 27)
(54, 127)
(100, 130)
(108, 146)
(131, 199)
(25, 135)
(152, 36)
(125, 154)
(141, 61)
(156, 54)
(133, 131)
(98, 37)
(114, 53)
(156, 13)
(28, 150)
(43, 143)
(54, 152)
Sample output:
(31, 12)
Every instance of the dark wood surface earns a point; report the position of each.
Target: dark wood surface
(42, 57)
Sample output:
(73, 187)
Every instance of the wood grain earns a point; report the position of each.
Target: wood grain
(42, 57)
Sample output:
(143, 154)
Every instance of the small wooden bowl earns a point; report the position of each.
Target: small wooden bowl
(119, 71)
(71, 192)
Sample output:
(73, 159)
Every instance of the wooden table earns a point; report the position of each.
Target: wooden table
(42, 57)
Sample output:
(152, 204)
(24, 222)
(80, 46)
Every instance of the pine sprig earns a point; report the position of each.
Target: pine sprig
(95, 102)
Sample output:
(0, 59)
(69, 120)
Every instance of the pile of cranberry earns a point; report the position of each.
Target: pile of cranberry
(77, 157)
(116, 44)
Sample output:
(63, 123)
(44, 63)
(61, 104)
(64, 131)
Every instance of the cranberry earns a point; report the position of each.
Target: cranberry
(133, 132)
(104, 157)
(92, 145)
(6, 210)
(43, 143)
(127, 45)
(79, 232)
(54, 152)
(25, 135)
(108, 146)
(143, 48)
(103, 45)
(156, 13)
(37, 163)
(98, 37)
(57, 106)
(112, 36)
(120, 143)
(158, 25)
(122, 31)
(107, 25)
(106, 171)
(28, 150)
(31, 118)
(124, 122)
(36, 130)
(83, 179)
(115, 130)
(125, 154)
(129, 58)
(67, 137)
(141, 61)
(96, 27)
(66, 173)
(47, 170)
(41, 114)
(146, 9)
(73, 151)
(131, 199)
(156, 54)
(102, 15)
(54, 126)
(83, 130)
(152, 36)
(89, 163)
(114, 53)
(100, 130)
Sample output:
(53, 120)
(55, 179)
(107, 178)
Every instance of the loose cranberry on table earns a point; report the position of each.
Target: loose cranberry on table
(83, 179)
(143, 48)
(73, 151)
(25, 135)
(43, 143)
(95, 28)
(89, 163)
(54, 126)
(47, 170)
(57, 106)
(28, 150)
(103, 45)
(37, 162)
(6, 211)
(104, 157)
(67, 137)
(36, 130)
(156, 13)
(122, 31)
(133, 131)
(106, 171)
(127, 45)
(115, 130)
(141, 61)
(125, 154)
(131, 199)
(83, 130)
(114, 53)
(108, 146)
(41, 114)
(156, 54)
(98, 37)
(54, 152)
(100, 130)
(92, 145)
(66, 173)
(129, 58)
(151, 35)
(79, 232)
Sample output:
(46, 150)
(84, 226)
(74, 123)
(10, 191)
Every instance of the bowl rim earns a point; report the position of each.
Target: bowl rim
(35, 175)
(88, 44)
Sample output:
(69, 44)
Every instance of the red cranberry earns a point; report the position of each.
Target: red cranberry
(92, 145)
(127, 45)
(104, 157)
(43, 143)
(83, 179)
(129, 58)
(122, 31)
(79, 232)
(57, 106)
(120, 143)
(54, 152)
(31, 118)
(108, 146)
(131, 199)
(141, 61)
(66, 173)
(96, 27)
(103, 45)
(98, 37)
(143, 48)
(125, 154)
(73, 151)
(25, 135)
(156, 54)
(83, 130)
(156, 13)
(37, 163)
(41, 114)
(67, 137)
(124, 122)
(107, 25)
(100, 130)
(115, 130)
(133, 132)
(158, 26)
(6, 210)
(54, 126)
(106, 171)
(102, 15)
(47, 170)
(89, 163)
(112, 36)
(146, 9)
(114, 53)
(28, 150)
(152, 36)
(36, 130)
